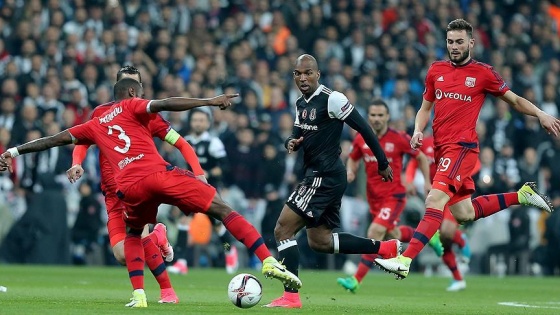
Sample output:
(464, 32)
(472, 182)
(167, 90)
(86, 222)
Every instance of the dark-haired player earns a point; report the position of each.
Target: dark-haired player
(315, 202)
(386, 200)
(145, 180)
(154, 242)
(456, 88)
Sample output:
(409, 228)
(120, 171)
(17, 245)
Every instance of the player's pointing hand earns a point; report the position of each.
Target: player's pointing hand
(223, 101)
(416, 140)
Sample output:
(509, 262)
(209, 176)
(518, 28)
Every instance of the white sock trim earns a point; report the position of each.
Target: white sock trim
(336, 243)
(286, 244)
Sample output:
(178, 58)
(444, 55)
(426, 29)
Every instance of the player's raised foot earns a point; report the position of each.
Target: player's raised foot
(232, 261)
(389, 249)
(168, 296)
(351, 284)
(163, 243)
(399, 266)
(180, 267)
(528, 195)
(273, 269)
(456, 285)
(436, 245)
(465, 250)
(288, 300)
(138, 299)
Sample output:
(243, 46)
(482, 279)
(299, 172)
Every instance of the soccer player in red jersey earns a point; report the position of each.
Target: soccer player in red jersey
(155, 243)
(386, 199)
(449, 231)
(456, 89)
(145, 180)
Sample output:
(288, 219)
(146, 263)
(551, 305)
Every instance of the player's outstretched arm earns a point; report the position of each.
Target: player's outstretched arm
(60, 139)
(549, 123)
(420, 122)
(179, 104)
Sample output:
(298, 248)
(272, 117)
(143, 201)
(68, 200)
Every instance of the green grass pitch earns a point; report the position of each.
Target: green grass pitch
(99, 290)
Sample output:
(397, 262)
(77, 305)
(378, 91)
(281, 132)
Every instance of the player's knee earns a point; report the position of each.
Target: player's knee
(435, 201)
(463, 218)
(377, 232)
(119, 256)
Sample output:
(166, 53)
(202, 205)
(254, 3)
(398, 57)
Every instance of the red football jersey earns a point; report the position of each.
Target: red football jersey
(122, 135)
(395, 144)
(158, 126)
(458, 93)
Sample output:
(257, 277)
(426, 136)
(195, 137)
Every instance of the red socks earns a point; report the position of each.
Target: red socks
(458, 238)
(450, 261)
(244, 232)
(426, 229)
(364, 266)
(134, 256)
(489, 204)
(155, 262)
(406, 233)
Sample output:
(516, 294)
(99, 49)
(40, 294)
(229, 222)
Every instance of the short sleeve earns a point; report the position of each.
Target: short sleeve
(159, 127)
(356, 152)
(495, 84)
(339, 106)
(429, 89)
(216, 148)
(83, 133)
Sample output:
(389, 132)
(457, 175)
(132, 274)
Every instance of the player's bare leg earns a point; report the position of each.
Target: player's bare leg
(288, 224)
(448, 230)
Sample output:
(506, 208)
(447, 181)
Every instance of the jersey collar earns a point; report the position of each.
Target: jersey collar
(317, 92)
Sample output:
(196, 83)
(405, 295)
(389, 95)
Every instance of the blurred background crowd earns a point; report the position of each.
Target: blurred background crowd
(59, 59)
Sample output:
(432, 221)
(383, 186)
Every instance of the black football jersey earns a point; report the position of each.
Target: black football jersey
(320, 120)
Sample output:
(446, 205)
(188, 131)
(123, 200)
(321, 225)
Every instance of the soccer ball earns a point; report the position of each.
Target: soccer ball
(245, 290)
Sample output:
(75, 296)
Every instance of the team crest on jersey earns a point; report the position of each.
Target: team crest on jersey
(469, 81)
(304, 114)
(301, 190)
(313, 114)
(389, 147)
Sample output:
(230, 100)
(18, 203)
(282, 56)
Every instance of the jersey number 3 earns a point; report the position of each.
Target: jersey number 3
(122, 136)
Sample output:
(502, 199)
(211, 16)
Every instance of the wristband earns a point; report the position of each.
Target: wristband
(13, 152)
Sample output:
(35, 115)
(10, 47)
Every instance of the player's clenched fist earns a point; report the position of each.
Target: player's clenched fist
(293, 143)
(6, 162)
(223, 101)
(74, 173)
(416, 140)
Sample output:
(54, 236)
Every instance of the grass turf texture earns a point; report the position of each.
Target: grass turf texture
(94, 290)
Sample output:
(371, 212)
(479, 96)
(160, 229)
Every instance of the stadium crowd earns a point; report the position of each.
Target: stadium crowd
(59, 59)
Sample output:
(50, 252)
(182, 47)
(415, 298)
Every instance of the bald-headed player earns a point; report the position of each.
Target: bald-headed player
(315, 202)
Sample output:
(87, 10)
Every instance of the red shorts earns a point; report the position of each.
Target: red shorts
(116, 227)
(455, 166)
(176, 187)
(386, 212)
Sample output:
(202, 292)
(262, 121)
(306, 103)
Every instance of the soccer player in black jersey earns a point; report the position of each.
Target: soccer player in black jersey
(315, 202)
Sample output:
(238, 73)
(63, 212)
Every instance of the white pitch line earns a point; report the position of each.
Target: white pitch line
(524, 304)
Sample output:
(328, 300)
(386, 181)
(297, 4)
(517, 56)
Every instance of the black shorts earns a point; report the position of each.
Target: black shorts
(317, 199)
